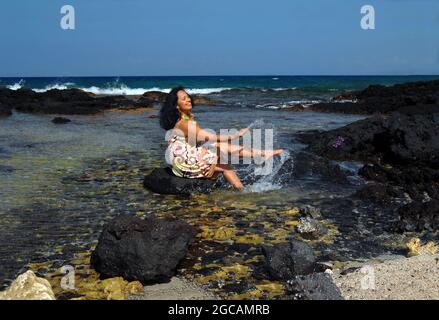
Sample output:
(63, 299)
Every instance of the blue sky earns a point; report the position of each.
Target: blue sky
(228, 37)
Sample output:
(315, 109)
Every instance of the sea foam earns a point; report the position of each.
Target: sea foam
(117, 89)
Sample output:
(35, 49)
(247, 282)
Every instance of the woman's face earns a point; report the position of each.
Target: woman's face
(184, 102)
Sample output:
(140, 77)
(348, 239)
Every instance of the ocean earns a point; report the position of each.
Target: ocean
(297, 87)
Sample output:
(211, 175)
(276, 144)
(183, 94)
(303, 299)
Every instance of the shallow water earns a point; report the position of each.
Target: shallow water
(61, 183)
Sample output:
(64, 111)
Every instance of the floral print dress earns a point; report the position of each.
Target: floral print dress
(189, 161)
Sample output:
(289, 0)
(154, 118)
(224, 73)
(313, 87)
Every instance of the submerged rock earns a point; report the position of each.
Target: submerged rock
(60, 120)
(305, 164)
(377, 193)
(6, 169)
(310, 211)
(144, 250)
(286, 260)
(294, 108)
(28, 286)
(111, 289)
(5, 112)
(310, 228)
(163, 181)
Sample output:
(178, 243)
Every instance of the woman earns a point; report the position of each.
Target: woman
(187, 157)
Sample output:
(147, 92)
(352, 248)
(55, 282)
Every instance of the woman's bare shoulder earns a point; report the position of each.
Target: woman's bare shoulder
(180, 124)
(182, 127)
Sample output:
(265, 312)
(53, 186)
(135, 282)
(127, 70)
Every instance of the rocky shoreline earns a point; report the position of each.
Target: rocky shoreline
(383, 100)
(400, 153)
(76, 101)
(414, 277)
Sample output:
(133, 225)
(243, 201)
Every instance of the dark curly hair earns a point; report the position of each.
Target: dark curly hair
(169, 113)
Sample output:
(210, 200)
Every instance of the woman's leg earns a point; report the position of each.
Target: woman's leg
(227, 148)
(230, 175)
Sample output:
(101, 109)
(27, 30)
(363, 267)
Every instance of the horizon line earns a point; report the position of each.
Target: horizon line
(229, 75)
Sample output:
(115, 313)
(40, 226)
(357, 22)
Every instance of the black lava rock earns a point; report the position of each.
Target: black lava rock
(399, 138)
(68, 101)
(163, 181)
(145, 250)
(383, 99)
(419, 216)
(377, 193)
(304, 164)
(318, 286)
(286, 260)
(415, 179)
(400, 149)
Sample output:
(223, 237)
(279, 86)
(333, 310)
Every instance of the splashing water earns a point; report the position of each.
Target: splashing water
(17, 85)
(267, 182)
(257, 124)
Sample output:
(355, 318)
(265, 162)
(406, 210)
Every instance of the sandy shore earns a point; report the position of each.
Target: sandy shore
(176, 289)
(415, 278)
(398, 279)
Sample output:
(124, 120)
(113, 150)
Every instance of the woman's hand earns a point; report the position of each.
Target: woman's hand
(240, 133)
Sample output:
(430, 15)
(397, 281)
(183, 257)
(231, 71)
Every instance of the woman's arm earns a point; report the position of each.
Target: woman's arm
(203, 135)
(192, 129)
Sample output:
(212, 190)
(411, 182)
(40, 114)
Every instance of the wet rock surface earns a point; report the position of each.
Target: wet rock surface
(306, 164)
(310, 228)
(163, 181)
(60, 120)
(144, 250)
